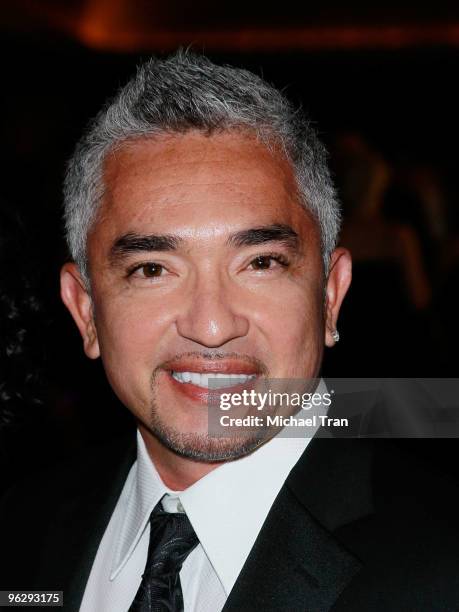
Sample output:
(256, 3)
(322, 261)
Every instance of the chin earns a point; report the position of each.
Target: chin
(201, 447)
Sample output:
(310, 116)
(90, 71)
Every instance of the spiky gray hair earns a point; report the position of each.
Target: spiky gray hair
(188, 92)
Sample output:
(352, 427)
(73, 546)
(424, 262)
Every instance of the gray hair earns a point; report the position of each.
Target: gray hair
(188, 92)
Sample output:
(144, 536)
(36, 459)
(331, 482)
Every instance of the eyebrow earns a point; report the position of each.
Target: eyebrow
(270, 233)
(138, 243)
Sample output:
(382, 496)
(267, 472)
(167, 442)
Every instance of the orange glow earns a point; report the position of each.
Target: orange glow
(95, 34)
(120, 25)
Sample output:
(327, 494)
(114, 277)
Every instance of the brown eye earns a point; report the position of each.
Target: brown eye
(262, 262)
(151, 270)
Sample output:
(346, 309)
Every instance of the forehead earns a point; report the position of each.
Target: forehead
(198, 184)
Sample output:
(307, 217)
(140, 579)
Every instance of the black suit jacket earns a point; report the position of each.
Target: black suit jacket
(359, 525)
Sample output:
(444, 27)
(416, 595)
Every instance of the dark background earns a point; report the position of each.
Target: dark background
(383, 72)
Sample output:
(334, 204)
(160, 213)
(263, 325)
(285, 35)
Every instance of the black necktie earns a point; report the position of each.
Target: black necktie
(172, 538)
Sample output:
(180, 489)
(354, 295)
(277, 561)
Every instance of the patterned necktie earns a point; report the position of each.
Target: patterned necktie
(172, 538)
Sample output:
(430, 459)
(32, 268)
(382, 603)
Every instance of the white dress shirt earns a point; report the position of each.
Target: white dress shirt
(226, 508)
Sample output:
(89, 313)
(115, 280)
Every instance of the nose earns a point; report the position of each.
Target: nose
(213, 313)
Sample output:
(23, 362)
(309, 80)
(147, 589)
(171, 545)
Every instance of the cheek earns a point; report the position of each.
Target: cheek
(129, 334)
(292, 323)
(130, 323)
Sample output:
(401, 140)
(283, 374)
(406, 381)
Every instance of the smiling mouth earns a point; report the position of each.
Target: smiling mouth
(211, 380)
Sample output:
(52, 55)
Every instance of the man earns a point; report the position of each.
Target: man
(202, 222)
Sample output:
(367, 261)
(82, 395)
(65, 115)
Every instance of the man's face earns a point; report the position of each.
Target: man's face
(201, 261)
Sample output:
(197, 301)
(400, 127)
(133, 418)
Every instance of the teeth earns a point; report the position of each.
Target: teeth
(197, 379)
(218, 380)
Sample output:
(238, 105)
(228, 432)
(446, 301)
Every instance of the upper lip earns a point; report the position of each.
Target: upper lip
(220, 366)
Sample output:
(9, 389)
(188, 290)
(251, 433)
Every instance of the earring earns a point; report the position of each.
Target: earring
(335, 335)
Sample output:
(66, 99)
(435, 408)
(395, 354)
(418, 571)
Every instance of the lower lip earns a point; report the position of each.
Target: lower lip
(207, 396)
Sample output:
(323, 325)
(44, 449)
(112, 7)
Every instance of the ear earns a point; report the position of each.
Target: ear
(339, 279)
(77, 299)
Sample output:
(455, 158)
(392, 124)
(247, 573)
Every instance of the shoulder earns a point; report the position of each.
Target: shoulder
(408, 543)
(42, 509)
(393, 504)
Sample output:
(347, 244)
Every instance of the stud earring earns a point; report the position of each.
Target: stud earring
(335, 335)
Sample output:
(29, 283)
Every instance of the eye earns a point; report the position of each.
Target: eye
(268, 262)
(149, 270)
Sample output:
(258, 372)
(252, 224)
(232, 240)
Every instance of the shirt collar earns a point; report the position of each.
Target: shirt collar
(145, 490)
(227, 507)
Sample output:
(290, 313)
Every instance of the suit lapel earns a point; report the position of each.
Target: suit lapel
(296, 562)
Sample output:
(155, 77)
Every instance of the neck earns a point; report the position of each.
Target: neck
(178, 473)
